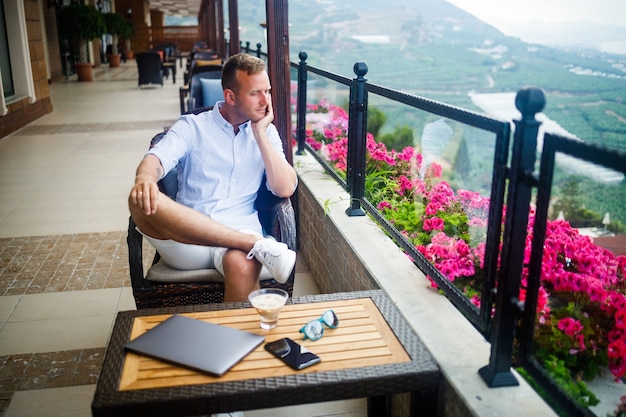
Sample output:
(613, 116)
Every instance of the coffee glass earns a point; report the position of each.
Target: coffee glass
(268, 303)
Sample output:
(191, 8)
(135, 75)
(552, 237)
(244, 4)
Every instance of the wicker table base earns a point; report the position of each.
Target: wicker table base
(373, 353)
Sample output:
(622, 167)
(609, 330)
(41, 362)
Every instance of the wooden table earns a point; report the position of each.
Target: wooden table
(373, 353)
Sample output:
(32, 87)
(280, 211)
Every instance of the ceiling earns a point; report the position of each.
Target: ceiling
(185, 8)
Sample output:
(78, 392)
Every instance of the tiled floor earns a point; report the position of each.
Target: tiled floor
(56, 263)
(63, 274)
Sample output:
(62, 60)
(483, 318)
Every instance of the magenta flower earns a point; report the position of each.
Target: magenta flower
(434, 223)
(383, 205)
(570, 326)
(404, 185)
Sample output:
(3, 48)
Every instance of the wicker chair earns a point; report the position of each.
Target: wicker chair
(278, 219)
(193, 88)
(149, 68)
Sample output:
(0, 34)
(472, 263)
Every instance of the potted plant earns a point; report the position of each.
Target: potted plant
(79, 24)
(115, 26)
(127, 33)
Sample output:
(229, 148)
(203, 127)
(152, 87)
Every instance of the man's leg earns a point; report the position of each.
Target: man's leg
(241, 275)
(175, 221)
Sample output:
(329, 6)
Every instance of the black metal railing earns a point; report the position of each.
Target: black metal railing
(502, 318)
(501, 286)
(245, 47)
(554, 145)
(303, 71)
(359, 90)
(520, 184)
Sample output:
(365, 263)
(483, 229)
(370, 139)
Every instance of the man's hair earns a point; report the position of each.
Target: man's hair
(240, 62)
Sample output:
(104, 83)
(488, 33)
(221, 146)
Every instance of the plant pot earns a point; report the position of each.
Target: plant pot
(84, 71)
(130, 55)
(114, 60)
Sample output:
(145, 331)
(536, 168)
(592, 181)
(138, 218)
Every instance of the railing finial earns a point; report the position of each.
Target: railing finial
(360, 69)
(530, 101)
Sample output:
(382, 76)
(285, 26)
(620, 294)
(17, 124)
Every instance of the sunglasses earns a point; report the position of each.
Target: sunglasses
(314, 330)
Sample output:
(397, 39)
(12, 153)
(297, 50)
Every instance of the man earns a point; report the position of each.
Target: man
(221, 156)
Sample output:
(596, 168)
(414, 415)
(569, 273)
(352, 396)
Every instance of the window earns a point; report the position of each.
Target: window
(15, 57)
(5, 58)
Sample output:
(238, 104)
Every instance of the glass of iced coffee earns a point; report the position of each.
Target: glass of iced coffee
(268, 302)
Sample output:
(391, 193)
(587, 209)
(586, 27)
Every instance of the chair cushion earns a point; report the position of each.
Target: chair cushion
(160, 272)
(212, 91)
(199, 62)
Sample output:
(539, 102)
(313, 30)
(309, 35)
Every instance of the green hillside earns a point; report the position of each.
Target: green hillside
(439, 51)
(436, 50)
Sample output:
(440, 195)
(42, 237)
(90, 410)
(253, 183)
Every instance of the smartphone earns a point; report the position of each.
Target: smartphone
(296, 356)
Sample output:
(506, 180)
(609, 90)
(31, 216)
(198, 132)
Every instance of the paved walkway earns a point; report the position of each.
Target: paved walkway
(64, 180)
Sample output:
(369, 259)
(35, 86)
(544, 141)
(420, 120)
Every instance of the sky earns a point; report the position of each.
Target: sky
(496, 12)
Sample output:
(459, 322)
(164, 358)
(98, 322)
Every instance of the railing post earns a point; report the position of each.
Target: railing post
(357, 131)
(258, 49)
(529, 102)
(301, 102)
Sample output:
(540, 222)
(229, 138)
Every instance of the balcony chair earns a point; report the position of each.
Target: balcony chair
(167, 62)
(163, 286)
(199, 45)
(149, 67)
(191, 94)
(202, 55)
(201, 65)
(171, 49)
(205, 55)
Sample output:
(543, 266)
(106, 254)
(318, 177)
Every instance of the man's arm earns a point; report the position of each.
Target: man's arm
(145, 192)
(281, 176)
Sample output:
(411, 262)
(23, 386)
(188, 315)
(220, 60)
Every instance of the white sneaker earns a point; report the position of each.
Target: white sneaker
(276, 257)
(231, 414)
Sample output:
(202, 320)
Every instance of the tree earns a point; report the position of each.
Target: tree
(376, 118)
(116, 26)
(400, 138)
(81, 23)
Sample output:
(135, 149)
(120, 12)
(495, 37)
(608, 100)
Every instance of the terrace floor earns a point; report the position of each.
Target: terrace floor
(64, 180)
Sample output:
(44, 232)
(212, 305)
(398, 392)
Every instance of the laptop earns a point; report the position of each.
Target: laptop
(196, 344)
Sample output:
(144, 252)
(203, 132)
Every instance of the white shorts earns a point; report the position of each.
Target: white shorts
(186, 257)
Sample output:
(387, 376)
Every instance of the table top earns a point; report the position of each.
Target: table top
(372, 352)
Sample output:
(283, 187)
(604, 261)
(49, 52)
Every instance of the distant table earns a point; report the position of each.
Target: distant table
(180, 56)
(373, 353)
(170, 66)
